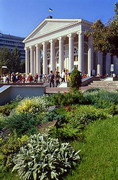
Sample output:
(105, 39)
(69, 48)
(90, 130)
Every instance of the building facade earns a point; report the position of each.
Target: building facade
(58, 44)
(12, 42)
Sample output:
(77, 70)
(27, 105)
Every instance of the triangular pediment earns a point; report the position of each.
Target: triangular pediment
(48, 26)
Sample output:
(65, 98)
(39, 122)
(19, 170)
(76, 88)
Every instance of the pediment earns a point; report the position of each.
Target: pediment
(48, 26)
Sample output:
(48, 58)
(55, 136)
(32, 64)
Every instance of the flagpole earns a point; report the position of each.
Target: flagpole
(50, 11)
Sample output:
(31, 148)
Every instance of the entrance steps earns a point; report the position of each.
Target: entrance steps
(107, 85)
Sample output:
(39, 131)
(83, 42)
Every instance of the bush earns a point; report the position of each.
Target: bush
(22, 123)
(85, 114)
(75, 79)
(113, 110)
(7, 108)
(73, 97)
(66, 132)
(51, 116)
(32, 105)
(2, 121)
(101, 98)
(75, 121)
(92, 90)
(10, 147)
(44, 158)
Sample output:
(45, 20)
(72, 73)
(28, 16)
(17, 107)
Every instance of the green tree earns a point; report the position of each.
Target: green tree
(116, 8)
(75, 79)
(5, 57)
(11, 59)
(105, 37)
(15, 60)
(22, 66)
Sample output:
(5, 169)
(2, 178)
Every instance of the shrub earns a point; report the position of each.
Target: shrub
(32, 105)
(66, 132)
(7, 108)
(75, 79)
(2, 121)
(44, 158)
(101, 98)
(85, 114)
(51, 116)
(92, 90)
(73, 97)
(113, 110)
(75, 121)
(10, 147)
(22, 123)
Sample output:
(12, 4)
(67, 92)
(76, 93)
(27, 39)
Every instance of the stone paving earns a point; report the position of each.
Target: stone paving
(63, 90)
(56, 90)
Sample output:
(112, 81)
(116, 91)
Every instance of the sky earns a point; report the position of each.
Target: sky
(20, 17)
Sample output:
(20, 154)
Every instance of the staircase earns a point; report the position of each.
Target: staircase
(107, 85)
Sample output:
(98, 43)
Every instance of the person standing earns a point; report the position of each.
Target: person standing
(51, 79)
(57, 77)
(63, 76)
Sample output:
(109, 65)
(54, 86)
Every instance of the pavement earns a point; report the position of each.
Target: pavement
(56, 90)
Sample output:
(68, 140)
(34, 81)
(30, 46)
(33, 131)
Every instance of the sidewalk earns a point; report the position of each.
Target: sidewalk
(56, 90)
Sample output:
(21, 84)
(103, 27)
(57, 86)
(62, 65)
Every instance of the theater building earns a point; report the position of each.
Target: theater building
(58, 44)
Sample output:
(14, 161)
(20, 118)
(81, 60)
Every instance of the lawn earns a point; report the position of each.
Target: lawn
(89, 122)
(99, 152)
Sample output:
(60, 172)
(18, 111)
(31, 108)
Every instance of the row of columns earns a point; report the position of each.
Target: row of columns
(35, 56)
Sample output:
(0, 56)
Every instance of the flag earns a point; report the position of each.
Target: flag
(50, 10)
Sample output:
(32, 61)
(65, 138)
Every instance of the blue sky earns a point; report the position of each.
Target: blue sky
(20, 17)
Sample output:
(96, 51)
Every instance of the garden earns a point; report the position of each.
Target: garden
(65, 136)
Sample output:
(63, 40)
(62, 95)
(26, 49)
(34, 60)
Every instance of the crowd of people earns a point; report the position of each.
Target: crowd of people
(53, 78)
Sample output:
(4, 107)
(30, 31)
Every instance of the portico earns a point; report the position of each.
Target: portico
(58, 44)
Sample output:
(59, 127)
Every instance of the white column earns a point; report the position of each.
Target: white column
(80, 51)
(99, 64)
(90, 56)
(32, 60)
(52, 56)
(61, 54)
(38, 60)
(108, 63)
(44, 58)
(26, 60)
(71, 52)
(115, 62)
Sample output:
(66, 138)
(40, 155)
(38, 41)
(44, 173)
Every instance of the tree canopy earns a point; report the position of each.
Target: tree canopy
(11, 59)
(105, 37)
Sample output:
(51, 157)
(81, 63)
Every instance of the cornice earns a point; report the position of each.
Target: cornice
(77, 21)
(52, 32)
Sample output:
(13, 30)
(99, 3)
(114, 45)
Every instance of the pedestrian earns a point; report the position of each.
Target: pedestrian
(7, 79)
(51, 80)
(36, 78)
(40, 77)
(30, 78)
(57, 77)
(13, 77)
(63, 76)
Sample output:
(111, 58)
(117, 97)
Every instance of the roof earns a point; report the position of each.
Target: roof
(56, 20)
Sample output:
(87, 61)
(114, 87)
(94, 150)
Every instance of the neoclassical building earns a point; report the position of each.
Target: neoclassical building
(58, 44)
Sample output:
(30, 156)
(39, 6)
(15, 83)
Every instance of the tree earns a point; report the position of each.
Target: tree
(5, 57)
(11, 59)
(75, 79)
(15, 60)
(105, 37)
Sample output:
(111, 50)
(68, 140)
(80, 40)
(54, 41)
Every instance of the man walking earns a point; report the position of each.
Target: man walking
(51, 78)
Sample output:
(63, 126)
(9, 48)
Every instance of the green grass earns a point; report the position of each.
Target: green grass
(99, 152)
